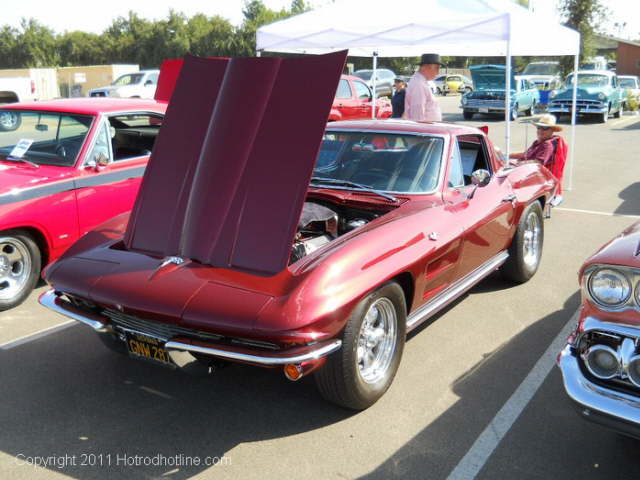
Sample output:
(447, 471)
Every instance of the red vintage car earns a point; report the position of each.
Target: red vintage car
(601, 364)
(314, 250)
(354, 101)
(66, 166)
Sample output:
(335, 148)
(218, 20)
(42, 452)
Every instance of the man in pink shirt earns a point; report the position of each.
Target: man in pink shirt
(419, 103)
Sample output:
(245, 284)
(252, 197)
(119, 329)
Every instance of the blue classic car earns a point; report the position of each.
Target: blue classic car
(489, 93)
(598, 94)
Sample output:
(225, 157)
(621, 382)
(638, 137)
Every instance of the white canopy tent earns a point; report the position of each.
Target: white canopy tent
(412, 27)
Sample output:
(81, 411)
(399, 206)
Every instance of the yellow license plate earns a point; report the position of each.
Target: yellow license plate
(148, 348)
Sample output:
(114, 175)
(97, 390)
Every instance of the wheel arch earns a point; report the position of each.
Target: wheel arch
(38, 236)
(407, 283)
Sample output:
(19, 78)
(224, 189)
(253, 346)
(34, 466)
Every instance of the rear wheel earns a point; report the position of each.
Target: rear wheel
(526, 247)
(618, 114)
(9, 121)
(362, 370)
(20, 264)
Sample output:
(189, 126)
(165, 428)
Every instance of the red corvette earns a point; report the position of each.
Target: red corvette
(312, 250)
(66, 166)
(354, 101)
(601, 364)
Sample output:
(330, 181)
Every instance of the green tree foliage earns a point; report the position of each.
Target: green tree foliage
(583, 16)
(133, 39)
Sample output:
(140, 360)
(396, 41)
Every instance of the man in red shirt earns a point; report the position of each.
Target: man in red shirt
(542, 148)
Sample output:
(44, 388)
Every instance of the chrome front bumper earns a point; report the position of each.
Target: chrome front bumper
(609, 408)
(182, 350)
(579, 110)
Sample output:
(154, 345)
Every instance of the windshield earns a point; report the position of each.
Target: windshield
(128, 79)
(542, 69)
(364, 74)
(44, 138)
(385, 162)
(628, 82)
(588, 80)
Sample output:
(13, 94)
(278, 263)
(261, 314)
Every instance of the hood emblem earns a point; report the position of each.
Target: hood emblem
(174, 260)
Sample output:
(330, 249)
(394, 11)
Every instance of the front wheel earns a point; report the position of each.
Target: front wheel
(525, 251)
(467, 115)
(513, 115)
(9, 121)
(603, 117)
(20, 264)
(373, 339)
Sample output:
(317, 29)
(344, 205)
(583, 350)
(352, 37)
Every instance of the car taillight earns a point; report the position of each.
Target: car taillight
(33, 87)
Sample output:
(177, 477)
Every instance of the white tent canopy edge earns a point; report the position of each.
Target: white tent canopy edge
(461, 28)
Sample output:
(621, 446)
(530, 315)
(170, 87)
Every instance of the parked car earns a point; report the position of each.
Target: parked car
(598, 95)
(384, 80)
(65, 167)
(456, 84)
(601, 364)
(544, 75)
(489, 94)
(141, 84)
(16, 89)
(400, 218)
(631, 87)
(354, 101)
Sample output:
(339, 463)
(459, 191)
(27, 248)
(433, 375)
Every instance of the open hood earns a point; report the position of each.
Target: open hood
(230, 169)
(490, 77)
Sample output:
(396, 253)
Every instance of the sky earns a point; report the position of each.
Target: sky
(93, 16)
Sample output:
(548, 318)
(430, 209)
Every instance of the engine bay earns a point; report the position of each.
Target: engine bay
(322, 222)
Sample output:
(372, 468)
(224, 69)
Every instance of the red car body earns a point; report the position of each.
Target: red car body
(236, 268)
(353, 101)
(55, 205)
(607, 332)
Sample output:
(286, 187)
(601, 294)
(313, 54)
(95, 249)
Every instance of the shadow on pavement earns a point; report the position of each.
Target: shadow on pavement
(65, 394)
(482, 391)
(630, 196)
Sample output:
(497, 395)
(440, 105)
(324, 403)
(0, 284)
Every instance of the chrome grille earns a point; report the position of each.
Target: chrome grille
(579, 103)
(478, 103)
(165, 331)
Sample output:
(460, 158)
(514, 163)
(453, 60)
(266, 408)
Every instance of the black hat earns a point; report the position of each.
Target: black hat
(430, 59)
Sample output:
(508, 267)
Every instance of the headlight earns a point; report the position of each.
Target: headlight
(602, 361)
(602, 96)
(553, 94)
(609, 287)
(463, 101)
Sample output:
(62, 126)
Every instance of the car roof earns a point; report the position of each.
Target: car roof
(628, 76)
(404, 126)
(352, 77)
(597, 72)
(91, 105)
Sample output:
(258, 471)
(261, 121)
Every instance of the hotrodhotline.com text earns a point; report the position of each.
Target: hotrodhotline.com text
(119, 460)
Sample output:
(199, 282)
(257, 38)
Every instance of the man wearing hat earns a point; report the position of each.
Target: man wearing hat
(549, 149)
(397, 101)
(420, 104)
(542, 148)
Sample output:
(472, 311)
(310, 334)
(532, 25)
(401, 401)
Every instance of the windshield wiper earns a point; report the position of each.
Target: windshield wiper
(359, 186)
(24, 160)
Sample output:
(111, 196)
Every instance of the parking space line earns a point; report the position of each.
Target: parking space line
(34, 336)
(477, 456)
(594, 212)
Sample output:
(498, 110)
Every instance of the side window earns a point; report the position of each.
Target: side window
(344, 90)
(134, 134)
(614, 80)
(362, 91)
(101, 152)
(153, 78)
(456, 178)
(473, 155)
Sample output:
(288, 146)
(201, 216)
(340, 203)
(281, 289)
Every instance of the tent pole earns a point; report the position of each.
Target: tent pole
(258, 53)
(573, 120)
(373, 82)
(507, 97)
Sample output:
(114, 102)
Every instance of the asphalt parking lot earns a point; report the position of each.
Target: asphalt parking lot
(477, 393)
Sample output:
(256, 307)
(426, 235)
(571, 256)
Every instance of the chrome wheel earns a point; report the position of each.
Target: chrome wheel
(9, 120)
(531, 240)
(377, 340)
(15, 267)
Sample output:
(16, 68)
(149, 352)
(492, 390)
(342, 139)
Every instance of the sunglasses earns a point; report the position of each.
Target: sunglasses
(544, 128)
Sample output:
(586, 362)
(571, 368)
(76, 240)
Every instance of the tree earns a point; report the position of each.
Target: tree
(583, 16)
(35, 45)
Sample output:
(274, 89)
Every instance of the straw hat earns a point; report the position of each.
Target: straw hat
(549, 121)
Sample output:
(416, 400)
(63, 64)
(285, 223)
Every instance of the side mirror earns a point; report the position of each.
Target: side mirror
(148, 82)
(98, 162)
(480, 178)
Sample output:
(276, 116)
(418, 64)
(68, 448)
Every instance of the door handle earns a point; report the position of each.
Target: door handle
(510, 198)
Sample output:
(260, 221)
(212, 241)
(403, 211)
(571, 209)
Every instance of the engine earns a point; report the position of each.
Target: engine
(319, 225)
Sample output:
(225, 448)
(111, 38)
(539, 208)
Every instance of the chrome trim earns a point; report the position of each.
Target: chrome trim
(454, 291)
(615, 406)
(180, 348)
(51, 300)
(593, 324)
(598, 347)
